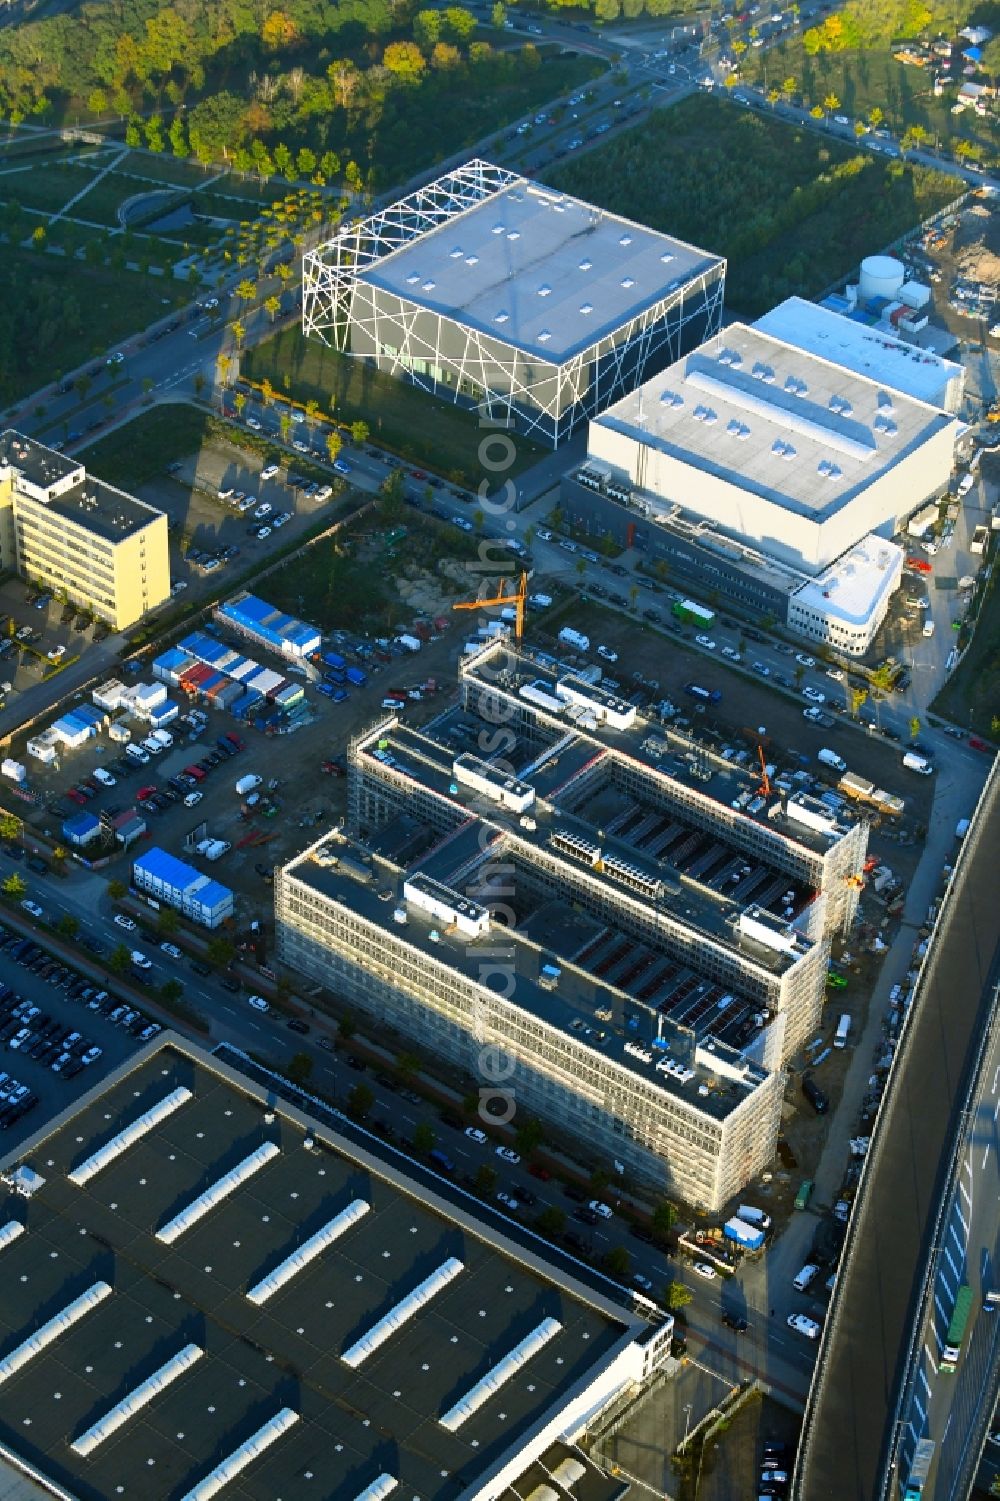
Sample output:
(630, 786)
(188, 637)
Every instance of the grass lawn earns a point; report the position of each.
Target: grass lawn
(173, 171)
(47, 185)
(971, 696)
(97, 306)
(233, 186)
(141, 449)
(864, 80)
(789, 209)
(401, 418)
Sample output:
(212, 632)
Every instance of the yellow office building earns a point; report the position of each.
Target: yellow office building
(61, 527)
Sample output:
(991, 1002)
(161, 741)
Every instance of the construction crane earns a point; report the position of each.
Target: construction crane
(517, 599)
(765, 780)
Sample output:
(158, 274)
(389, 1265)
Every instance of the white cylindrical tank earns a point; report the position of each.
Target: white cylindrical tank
(881, 276)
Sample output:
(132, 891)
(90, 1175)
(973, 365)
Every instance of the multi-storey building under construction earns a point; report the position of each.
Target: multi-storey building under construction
(545, 874)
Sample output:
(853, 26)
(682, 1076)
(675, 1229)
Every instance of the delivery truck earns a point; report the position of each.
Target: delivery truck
(693, 613)
(248, 783)
(576, 639)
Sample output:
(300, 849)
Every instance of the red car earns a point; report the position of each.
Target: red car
(978, 744)
(196, 772)
(146, 791)
(539, 1172)
(76, 797)
(235, 740)
(918, 565)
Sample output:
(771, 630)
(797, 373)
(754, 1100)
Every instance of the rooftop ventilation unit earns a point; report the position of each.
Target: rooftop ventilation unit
(472, 260)
(428, 286)
(499, 229)
(586, 265)
(782, 450)
(671, 399)
(501, 318)
(513, 234)
(625, 240)
(117, 1416)
(456, 254)
(10, 1233)
(58, 1324)
(628, 281)
(544, 335)
(412, 279)
(403, 1311)
(795, 387)
(216, 1192)
(586, 307)
(300, 1258)
(237, 1462)
(841, 406)
(490, 1384)
(381, 1487)
(120, 1143)
(545, 291)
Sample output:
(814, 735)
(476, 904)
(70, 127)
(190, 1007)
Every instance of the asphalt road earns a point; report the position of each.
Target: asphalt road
(847, 1446)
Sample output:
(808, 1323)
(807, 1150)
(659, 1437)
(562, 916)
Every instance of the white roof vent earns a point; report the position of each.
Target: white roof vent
(412, 280)
(782, 450)
(666, 257)
(586, 307)
(841, 406)
(545, 291)
(428, 286)
(545, 335)
(456, 254)
(513, 234)
(501, 318)
(499, 229)
(671, 399)
(625, 240)
(628, 281)
(586, 265)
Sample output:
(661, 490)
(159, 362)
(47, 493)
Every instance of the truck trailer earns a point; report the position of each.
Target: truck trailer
(919, 1469)
(955, 1336)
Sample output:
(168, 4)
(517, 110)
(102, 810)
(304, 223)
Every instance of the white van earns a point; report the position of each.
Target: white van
(806, 1277)
(754, 1216)
(928, 629)
(104, 777)
(843, 1029)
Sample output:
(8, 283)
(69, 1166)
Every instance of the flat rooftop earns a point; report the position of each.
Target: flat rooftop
(578, 998)
(776, 421)
(540, 271)
(870, 352)
(282, 1286)
(851, 588)
(81, 499)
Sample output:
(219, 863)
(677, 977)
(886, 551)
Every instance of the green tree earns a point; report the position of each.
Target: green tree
(10, 827)
(300, 1068)
(116, 890)
(914, 727)
(68, 925)
(424, 1138)
(97, 102)
(359, 432)
(552, 1221)
(239, 402)
(285, 426)
(390, 502)
(120, 958)
(677, 1296)
(14, 885)
(529, 1135)
(618, 1262)
(272, 305)
(663, 1219)
(334, 443)
(171, 990)
(360, 1101)
(178, 137)
(167, 922)
(239, 332)
(305, 162)
(485, 1179)
(498, 15)
(246, 290)
(220, 951)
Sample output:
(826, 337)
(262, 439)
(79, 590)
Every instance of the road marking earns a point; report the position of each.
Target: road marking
(921, 1409)
(927, 1352)
(961, 1216)
(951, 1262)
(966, 1195)
(944, 1281)
(923, 1377)
(958, 1239)
(986, 1155)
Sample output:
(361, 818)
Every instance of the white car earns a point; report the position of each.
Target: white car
(56, 653)
(269, 471)
(263, 534)
(508, 1154)
(32, 908)
(123, 921)
(704, 1270)
(104, 777)
(139, 960)
(508, 1201)
(814, 715)
(803, 660)
(300, 447)
(172, 950)
(264, 509)
(179, 587)
(837, 674)
(474, 1134)
(226, 493)
(607, 654)
(193, 799)
(253, 424)
(258, 1003)
(802, 1325)
(761, 670)
(543, 534)
(115, 359)
(91, 1055)
(966, 483)
(814, 696)
(706, 642)
(601, 1209)
(297, 416)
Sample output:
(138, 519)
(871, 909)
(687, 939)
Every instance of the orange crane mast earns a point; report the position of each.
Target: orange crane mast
(517, 599)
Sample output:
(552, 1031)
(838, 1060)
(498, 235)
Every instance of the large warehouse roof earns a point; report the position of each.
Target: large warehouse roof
(211, 1285)
(772, 419)
(538, 270)
(867, 351)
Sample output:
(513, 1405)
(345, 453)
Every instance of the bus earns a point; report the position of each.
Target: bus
(707, 695)
(917, 1478)
(956, 1330)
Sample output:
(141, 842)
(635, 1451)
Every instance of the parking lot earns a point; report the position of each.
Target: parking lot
(58, 1034)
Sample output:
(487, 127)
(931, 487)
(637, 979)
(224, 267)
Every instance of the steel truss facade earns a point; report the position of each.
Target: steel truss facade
(511, 386)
